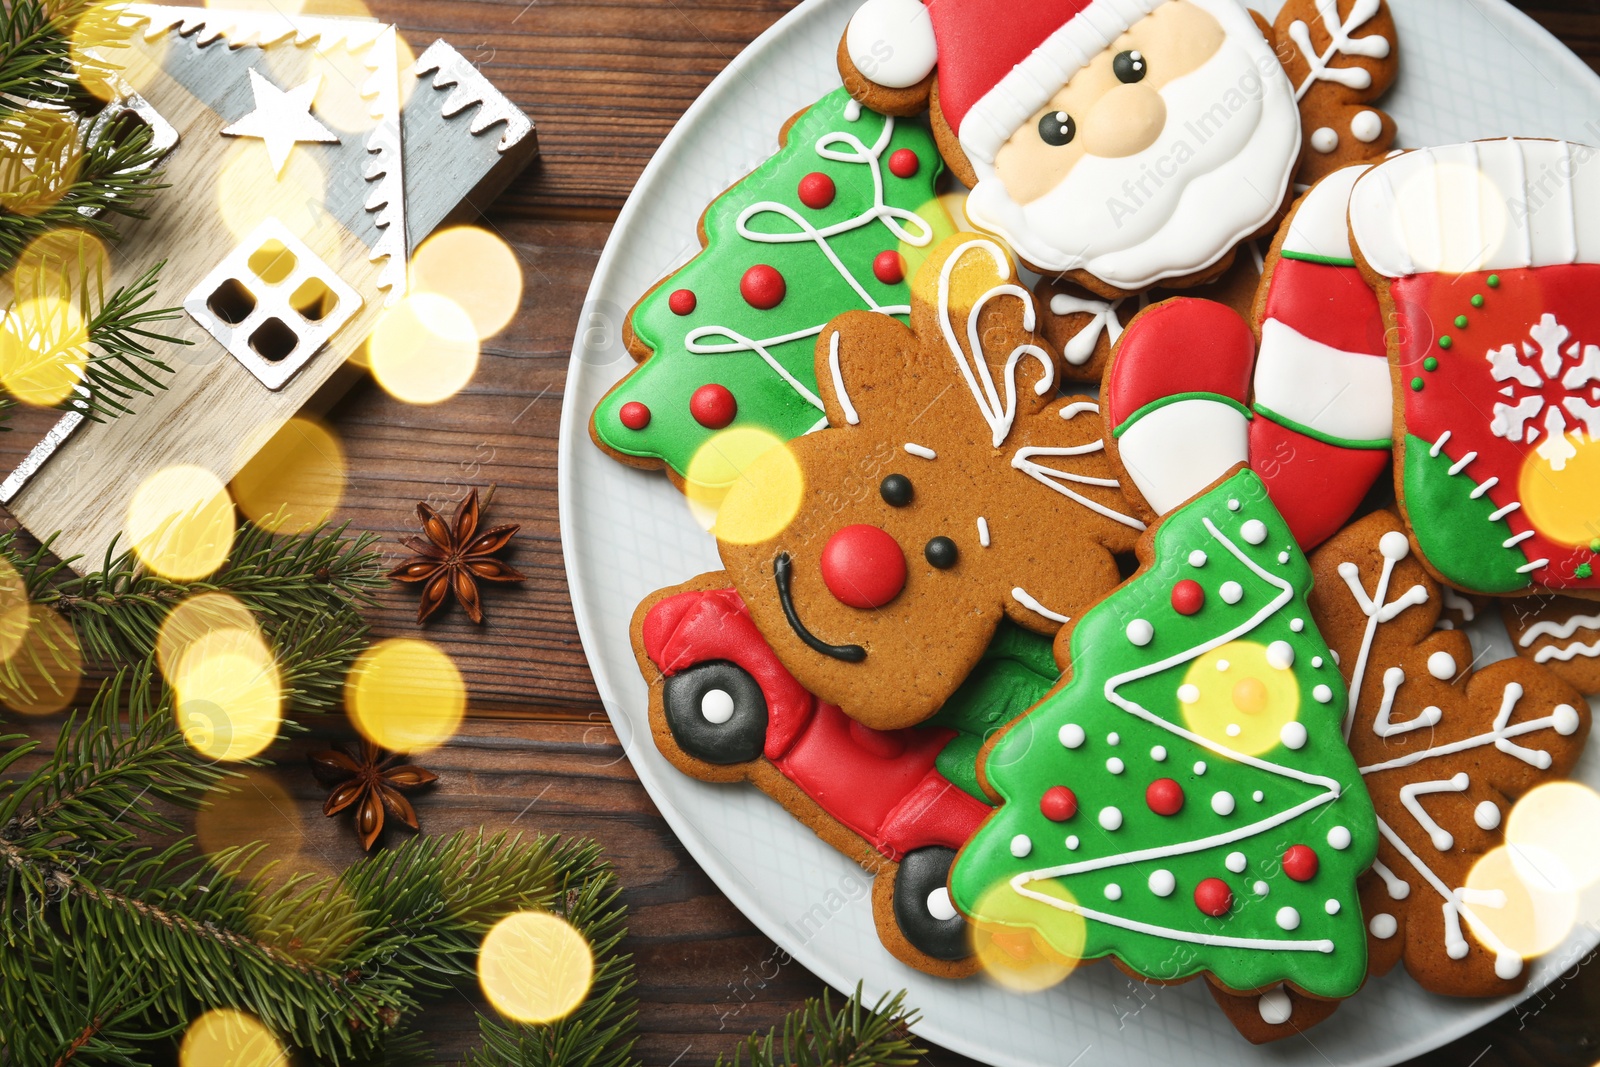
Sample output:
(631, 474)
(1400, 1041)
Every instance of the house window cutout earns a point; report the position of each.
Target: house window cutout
(272, 303)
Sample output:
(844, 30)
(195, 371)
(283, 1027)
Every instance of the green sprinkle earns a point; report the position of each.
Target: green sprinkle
(1430, 364)
(1494, 281)
(1444, 342)
(1416, 385)
(1477, 300)
(1461, 322)
(1594, 546)
(1582, 570)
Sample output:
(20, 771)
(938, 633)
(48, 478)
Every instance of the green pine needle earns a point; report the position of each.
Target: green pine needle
(854, 1036)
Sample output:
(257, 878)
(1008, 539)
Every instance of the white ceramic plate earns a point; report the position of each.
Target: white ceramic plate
(1471, 68)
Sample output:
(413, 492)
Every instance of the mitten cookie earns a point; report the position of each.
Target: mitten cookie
(1340, 55)
(1562, 632)
(1485, 259)
(836, 221)
(950, 490)
(1119, 144)
(1444, 751)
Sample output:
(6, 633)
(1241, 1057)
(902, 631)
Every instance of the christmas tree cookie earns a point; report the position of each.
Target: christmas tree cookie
(1185, 802)
(836, 221)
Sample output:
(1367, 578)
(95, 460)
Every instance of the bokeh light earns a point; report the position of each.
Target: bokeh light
(46, 664)
(1450, 191)
(193, 619)
(63, 264)
(1564, 505)
(535, 967)
(292, 479)
(228, 697)
(1523, 909)
(111, 54)
(339, 104)
(1235, 696)
(406, 695)
(1025, 945)
(44, 348)
(225, 1037)
(1550, 833)
(181, 522)
(15, 617)
(475, 269)
(251, 808)
(39, 158)
(744, 485)
(424, 349)
(248, 195)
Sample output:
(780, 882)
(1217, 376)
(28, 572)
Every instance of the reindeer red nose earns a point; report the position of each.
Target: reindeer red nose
(863, 566)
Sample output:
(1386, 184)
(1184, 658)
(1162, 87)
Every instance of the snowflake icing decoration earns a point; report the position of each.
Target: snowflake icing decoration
(1542, 366)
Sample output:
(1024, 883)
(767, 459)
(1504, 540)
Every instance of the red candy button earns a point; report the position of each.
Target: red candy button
(816, 190)
(903, 163)
(762, 287)
(863, 566)
(1213, 897)
(889, 268)
(1188, 597)
(1301, 863)
(634, 415)
(1164, 796)
(1058, 803)
(682, 302)
(713, 406)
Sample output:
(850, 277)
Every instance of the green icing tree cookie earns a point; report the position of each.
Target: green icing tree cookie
(838, 220)
(1186, 802)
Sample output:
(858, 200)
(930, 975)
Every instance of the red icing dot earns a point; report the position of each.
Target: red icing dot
(682, 302)
(1164, 796)
(903, 163)
(1300, 863)
(762, 287)
(889, 268)
(713, 406)
(1213, 897)
(1058, 803)
(634, 415)
(863, 566)
(1188, 597)
(816, 190)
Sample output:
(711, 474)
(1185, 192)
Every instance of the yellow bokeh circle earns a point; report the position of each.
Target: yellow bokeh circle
(535, 967)
(44, 348)
(111, 54)
(474, 268)
(46, 664)
(406, 695)
(1563, 505)
(224, 1037)
(181, 522)
(63, 264)
(1522, 909)
(228, 696)
(744, 485)
(14, 610)
(1026, 945)
(424, 349)
(293, 478)
(192, 620)
(250, 191)
(251, 808)
(39, 158)
(1552, 829)
(1235, 696)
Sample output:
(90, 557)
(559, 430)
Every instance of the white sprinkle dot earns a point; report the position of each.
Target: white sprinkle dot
(1233, 505)
(1442, 665)
(1297, 625)
(1235, 862)
(1316, 661)
(1288, 919)
(1159, 753)
(1112, 739)
(1072, 842)
(1394, 545)
(1254, 531)
(1197, 558)
(1487, 815)
(1293, 735)
(1140, 632)
(1162, 883)
(1231, 592)
(1110, 818)
(1071, 735)
(1113, 891)
(1322, 694)
(1188, 693)
(1331, 907)
(1222, 802)
(1261, 889)
(1283, 557)
(1383, 925)
(939, 905)
(1565, 718)
(716, 707)
(1021, 845)
(1335, 654)
(1339, 838)
(1114, 765)
(1232, 729)
(1507, 965)
(1280, 654)
(1258, 796)
(1200, 766)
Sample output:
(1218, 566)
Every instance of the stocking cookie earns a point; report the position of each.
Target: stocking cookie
(950, 490)
(1340, 55)
(1444, 750)
(1561, 632)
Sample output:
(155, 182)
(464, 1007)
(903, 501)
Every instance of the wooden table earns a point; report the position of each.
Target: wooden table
(605, 82)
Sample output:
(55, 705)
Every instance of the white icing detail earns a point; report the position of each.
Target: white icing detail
(921, 451)
(1500, 735)
(1545, 366)
(1110, 819)
(716, 707)
(1507, 965)
(1080, 346)
(1334, 391)
(1140, 632)
(1188, 693)
(983, 531)
(1322, 694)
(1297, 625)
(1114, 765)
(1113, 891)
(1393, 678)
(1072, 842)
(1021, 845)
(1234, 729)
(1112, 739)
(1439, 444)
(1293, 735)
(1197, 558)
(1222, 802)
(1280, 654)
(1070, 735)
(1324, 139)
(1254, 531)
(1397, 888)
(1258, 796)
(1459, 465)
(1162, 883)
(1078, 407)
(940, 908)
(1516, 539)
(1453, 600)
(1283, 557)
(1331, 906)
(1550, 652)
(1200, 766)
(1260, 888)
(1340, 43)
(1235, 862)
(1316, 661)
(1339, 838)
(1559, 628)
(1486, 815)
(1288, 919)
(1056, 479)
(1458, 904)
(1215, 437)
(1442, 839)
(1320, 225)
(852, 111)
(1394, 547)
(1159, 753)
(891, 42)
(1535, 565)
(850, 415)
(1274, 1006)
(1383, 926)
(1231, 592)
(1366, 126)
(1484, 487)
(1442, 665)
(1020, 595)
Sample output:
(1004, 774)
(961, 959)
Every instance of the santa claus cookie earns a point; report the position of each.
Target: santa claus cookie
(951, 489)
(1444, 751)
(1121, 143)
(1562, 632)
(1485, 257)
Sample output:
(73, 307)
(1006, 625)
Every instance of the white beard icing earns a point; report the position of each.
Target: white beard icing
(1209, 181)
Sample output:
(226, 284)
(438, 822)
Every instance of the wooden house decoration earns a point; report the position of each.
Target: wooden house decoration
(305, 160)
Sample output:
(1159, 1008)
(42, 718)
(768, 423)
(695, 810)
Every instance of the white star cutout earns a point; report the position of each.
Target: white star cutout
(281, 119)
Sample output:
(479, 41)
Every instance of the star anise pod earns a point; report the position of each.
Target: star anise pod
(454, 557)
(372, 784)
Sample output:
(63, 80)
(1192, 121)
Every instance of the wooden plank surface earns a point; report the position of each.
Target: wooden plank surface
(605, 82)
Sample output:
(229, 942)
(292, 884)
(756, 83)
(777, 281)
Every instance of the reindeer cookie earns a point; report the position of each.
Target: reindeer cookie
(979, 496)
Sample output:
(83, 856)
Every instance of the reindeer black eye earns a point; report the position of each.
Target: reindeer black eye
(896, 490)
(1057, 128)
(941, 552)
(1129, 66)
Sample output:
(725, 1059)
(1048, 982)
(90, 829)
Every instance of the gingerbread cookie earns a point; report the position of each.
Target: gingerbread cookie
(1458, 608)
(1484, 275)
(1119, 145)
(1279, 1012)
(722, 709)
(1340, 55)
(951, 489)
(1561, 632)
(1444, 751)
(1184, 802)
(836, 221)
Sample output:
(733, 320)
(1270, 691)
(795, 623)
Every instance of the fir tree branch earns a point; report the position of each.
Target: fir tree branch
(854, 1036)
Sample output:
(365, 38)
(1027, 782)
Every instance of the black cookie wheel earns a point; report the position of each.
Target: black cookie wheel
(716, 712)
(922, 907)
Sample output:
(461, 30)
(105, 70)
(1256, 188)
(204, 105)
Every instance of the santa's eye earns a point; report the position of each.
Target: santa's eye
(1129, 66)
(896, 490)
(1057, 128)
(941, 552)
